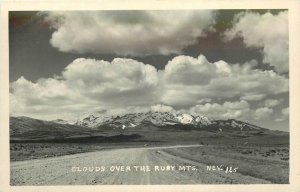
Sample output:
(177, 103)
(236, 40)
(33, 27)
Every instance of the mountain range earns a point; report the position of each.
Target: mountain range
(147, 126)
(135, 119)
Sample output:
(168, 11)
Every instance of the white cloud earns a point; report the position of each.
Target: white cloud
(46, 99)
(267, 31)
(284, 114)
(240, 110)
(48, 91)
(263, 113)
(162, 108)
(133, 33)
(187, 70)
(86, 84)
(272, 102)
(134, 109)
(228, 110)
(188, 80)
(94, 85)
(126, 110)
(120, 82)
(253, 97)
(285, 111)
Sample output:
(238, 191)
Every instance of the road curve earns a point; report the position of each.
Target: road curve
(88, 169)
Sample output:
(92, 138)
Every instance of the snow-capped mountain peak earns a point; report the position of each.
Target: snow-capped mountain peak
(185, 118)
(133, 119)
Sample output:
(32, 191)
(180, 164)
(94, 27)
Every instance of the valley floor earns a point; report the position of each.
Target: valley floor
(179, 164)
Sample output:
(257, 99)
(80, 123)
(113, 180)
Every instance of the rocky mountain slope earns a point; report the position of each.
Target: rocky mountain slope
(134, 119)
(29, 128)
(148, 126)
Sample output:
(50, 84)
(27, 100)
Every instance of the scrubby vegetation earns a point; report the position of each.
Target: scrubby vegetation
(270, 163)
(26, 151)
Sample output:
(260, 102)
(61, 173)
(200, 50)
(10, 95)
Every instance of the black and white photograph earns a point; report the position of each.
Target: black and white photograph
(149, 97)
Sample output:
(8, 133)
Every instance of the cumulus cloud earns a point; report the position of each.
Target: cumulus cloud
(272, 102)
(162, 108)
(48, 91)
(267, 31)
(121, 82)
(126, 110)
(285, 111)
(45, 99)
(188, 80)
(253, 97)
(129, 109)
(86, 84)
(227, 110)
(263, 113)
(130, 85)
(135, 33)
(240, 110)
(284, 114)
(187, 70)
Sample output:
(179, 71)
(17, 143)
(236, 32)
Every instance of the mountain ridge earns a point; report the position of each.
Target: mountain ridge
(148, 126)
(134, 119)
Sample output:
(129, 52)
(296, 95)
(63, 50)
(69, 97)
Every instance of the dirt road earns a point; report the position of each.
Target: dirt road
(150, 165)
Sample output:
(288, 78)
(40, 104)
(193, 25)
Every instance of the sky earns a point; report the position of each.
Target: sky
(223, 64)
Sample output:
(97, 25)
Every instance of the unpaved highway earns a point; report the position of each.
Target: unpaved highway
(69, 169)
